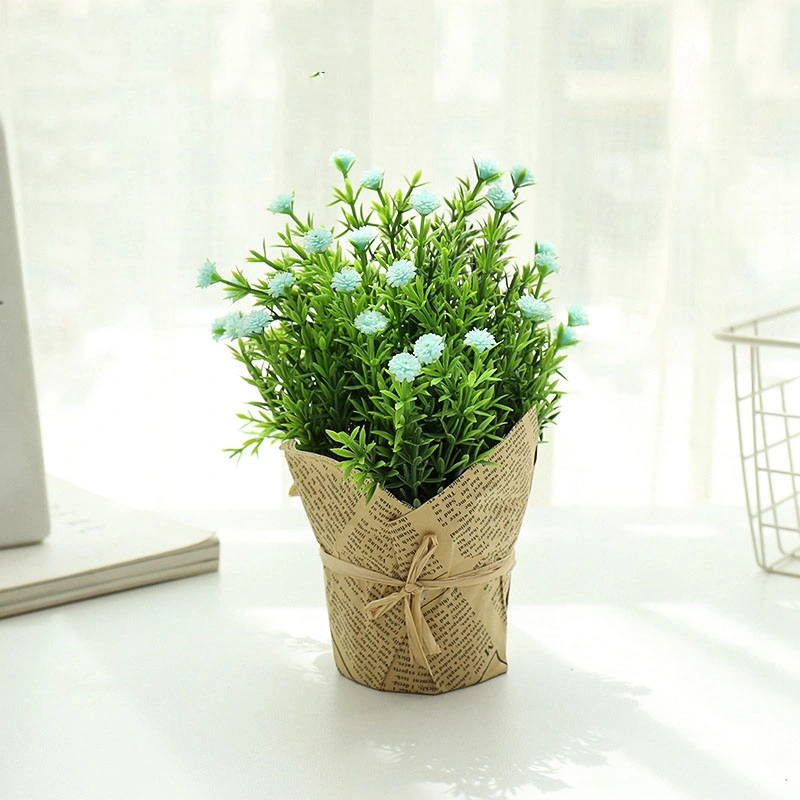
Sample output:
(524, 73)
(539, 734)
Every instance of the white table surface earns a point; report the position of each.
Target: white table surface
(649, 658)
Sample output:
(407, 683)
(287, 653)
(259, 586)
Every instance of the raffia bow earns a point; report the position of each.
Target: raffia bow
(421, 642)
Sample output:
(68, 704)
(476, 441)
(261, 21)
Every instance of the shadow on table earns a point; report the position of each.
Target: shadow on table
(255, 701)
(491, 741)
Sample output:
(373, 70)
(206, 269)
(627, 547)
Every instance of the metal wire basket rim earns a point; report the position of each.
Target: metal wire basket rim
(728, 333)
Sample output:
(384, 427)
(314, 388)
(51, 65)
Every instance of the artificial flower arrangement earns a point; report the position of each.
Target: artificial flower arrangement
(409, 366)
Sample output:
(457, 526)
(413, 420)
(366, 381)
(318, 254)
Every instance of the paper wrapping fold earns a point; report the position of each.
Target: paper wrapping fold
(475, 522)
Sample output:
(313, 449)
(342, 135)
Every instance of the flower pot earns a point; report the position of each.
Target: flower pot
(417, 597)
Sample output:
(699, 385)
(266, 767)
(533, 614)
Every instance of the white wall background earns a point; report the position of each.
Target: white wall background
(149, 134)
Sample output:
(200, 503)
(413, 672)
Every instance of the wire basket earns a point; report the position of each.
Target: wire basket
(766, 370)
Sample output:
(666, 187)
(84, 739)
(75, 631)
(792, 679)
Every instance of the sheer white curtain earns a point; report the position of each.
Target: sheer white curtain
(665, 137)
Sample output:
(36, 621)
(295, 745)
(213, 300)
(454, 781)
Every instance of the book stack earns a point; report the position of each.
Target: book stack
(97, 547)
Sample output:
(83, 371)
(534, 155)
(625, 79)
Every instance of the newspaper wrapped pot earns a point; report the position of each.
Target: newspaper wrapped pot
(417, 597)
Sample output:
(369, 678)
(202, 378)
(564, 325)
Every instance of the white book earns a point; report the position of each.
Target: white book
(97, 547)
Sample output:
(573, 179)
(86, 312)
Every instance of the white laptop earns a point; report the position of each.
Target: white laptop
(24, 513)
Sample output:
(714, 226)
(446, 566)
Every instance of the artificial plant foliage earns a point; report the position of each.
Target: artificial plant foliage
(404, 341)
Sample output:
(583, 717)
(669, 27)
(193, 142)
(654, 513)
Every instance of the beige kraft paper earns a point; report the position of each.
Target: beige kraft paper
(476, 519)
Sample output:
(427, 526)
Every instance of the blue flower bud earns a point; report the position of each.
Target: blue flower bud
(486, 168)
(404, 367)
(566, 336)
(521, 176)
(207, 274)
(533, 308)
(346, 280)
(428, 348)
(317, 240)
(372, 179)
(577, 316)
(425, 202)
(282, 204)
(279, 283)
(546, 263)
(480, 339)
(370, 322)
(499, 197)
(361, 238)
(342, 159)
(400, 273)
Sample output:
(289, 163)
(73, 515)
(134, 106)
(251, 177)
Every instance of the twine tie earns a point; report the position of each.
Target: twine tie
(409, 592)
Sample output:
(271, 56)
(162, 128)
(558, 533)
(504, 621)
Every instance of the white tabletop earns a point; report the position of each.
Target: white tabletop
(648, 658)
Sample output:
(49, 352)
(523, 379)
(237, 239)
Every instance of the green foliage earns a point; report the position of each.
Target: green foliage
(325, 384)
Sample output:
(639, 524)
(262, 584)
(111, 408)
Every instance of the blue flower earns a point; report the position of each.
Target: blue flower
(499, 196)
(370, 322)
(226, 326)
(424, 201)
(547, 263)
(372, 179)
(566, 336)
(486, 168)
(533, 308)
(401, 272)
(577, 316)
(361, 237)
(404, 367)
(342, 159)
(480, 339)
(279, 282)
(207, 274)
(543, 246)
(218, 328)
(428, 347)
(317, 240)
(521, 176)
(282, 204)
(346, 280)
(254, 322)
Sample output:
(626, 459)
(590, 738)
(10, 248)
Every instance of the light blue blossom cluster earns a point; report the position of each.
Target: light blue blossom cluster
(346, 279)
(370, 322)
(424, 201)
(361, 238)
(404, 367)
(521, 176)
(577, 316)
(546, 263)
(499, 197)
(280, 282)
(207, 274)
(282, 204)
(533, 308)
(543, 246)
(236, 324)
(225, 326)
(254, 322)
(372, 179)
(400, 273)
(566, 336)
(342, 159)
(317, 240)
(486, 168)
(428, 348)
(480, 339)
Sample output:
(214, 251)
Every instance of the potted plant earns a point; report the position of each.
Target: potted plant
(409, 367)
